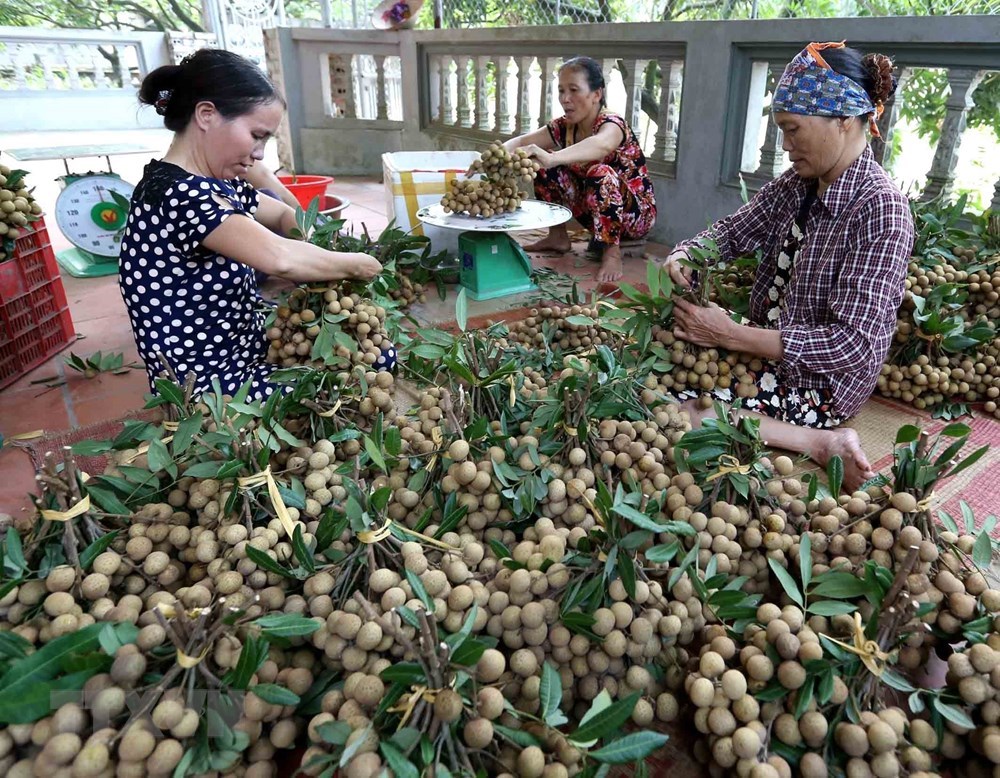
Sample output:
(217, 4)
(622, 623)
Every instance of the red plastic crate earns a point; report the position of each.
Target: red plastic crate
(35, 321)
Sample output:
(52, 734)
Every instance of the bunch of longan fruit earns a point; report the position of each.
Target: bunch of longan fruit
(498, 190)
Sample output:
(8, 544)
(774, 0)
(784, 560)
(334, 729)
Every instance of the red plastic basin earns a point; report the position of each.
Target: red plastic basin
(305, 188)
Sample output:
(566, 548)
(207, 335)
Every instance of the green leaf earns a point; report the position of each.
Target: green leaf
(95, 549)
(263, 561)
(895, 681)
(953, 713)
(252, 656)
(630, 748)
(461, 310)
(982, 550)
(376, 455)
(158, 456)
(580, 321)
(550, 694)
(14, 564)
(419, 591)
(334, 732)
(787, 582)
(114, 636)
(831, 608)
(839, 585)
(835, 474)
(662, 554)
(13, 646)
(302, 552)
(89, 448)
(516, 736)
(397, 761)
(607, 720)
(286, 625)
(805, 695)
(169, 391)
(805, 560)
(456, 640)
(29, 674)
(907, 434)
(184, 435)
(274, 694)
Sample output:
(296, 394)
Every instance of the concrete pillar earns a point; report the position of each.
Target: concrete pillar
(545, 99)
(633, 91)
(522, 123)
(771, 155)
(482, 64)
(381, 97)
(963, 82)
(464, 114)
(665, 143)
(887, 122)
(502, 109)
(755, 110)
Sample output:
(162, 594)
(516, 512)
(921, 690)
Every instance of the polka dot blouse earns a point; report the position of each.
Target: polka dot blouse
(199, 309)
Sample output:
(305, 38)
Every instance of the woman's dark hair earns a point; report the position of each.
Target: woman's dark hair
(590, 68)
(872, 71)
(233, 84)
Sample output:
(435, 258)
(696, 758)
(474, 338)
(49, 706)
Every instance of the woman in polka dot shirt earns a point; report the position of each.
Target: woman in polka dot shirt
(187, 268)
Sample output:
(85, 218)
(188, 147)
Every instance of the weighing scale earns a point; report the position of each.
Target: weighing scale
(492, 263)
(91, 209)
(93, 219)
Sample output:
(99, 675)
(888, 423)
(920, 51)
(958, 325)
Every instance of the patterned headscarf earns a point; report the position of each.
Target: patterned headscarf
(811, 87)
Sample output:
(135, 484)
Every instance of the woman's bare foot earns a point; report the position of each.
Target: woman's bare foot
(556, 240)
(611, 265)
(846, 444)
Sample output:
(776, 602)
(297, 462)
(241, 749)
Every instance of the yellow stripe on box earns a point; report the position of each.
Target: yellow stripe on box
(410, 190)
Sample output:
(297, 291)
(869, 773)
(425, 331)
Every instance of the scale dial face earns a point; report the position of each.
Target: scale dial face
(88, 215)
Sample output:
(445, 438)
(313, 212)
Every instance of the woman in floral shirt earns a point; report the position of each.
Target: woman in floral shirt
(593, 164)
(835, 235)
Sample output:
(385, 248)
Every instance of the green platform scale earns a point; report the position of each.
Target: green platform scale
(91, 212)
(492, 264)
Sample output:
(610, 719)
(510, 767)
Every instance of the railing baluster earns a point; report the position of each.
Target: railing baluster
(963, 82)
(545, 97)
(47, 75)
(633, 92)
(771, 154)
(523, 120)
(502, 111)
(20, 75)
(464, 118)
(124, 75)
(349, 63)
(447, 112)
(482, 65)
(72, 75)
(435, 63)
(665, 144)
(381, 101)
(101, 80)
(887, 122)
(995, 202)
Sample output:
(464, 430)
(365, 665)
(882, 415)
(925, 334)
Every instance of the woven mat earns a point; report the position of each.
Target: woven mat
(979, 485)
(53, 442)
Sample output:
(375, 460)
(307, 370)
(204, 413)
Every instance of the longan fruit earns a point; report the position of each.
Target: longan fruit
(711, 665)
(478, 733)
(851, 738)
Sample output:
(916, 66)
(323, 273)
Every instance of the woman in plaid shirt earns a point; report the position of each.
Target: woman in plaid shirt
(835, 235)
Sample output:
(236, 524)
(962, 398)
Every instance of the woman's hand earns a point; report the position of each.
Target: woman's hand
(680, 274)
(705, 326)
(364, 267)
(544, 158)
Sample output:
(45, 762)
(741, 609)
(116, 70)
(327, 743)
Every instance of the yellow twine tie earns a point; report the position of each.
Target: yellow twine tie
(265, 477)
(187, 662)
(873, 657)
(380, 534)
(332, 411)
(77, 510)
(729, 464)
(925, 503)
(571, 431)
(407, 706)
(172, 426)
(513, 394)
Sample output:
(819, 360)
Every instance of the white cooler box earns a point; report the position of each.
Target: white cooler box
(414, 179)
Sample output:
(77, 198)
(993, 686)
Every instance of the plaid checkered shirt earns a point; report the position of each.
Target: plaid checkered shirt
(839, 313)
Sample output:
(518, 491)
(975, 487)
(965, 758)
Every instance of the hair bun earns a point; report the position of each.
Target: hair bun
(880, 68)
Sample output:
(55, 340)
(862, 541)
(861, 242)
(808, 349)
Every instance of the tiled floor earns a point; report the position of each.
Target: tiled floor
(102, 324)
